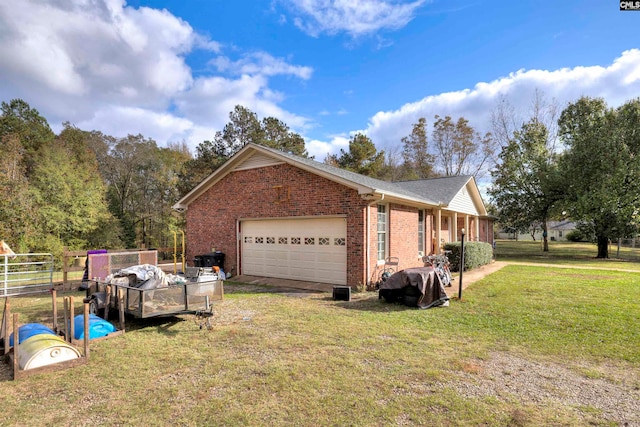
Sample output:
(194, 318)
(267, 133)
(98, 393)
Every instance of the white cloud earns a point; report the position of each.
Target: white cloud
(93, 53)
(212, 98)
(103, 65)
(131, 120)
(616, 83)
(261, 63)
(319, 149)
(354, 17)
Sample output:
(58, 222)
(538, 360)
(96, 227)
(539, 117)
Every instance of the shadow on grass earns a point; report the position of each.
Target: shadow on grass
(361, 301)
(162, 324)
(369, 303)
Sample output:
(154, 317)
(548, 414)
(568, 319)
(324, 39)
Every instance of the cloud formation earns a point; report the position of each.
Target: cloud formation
(616, 83)
(354, 17)
(261, 63)
(103, 65)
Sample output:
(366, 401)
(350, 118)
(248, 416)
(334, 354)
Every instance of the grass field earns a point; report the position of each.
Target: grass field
(583, 254)
(304, 359)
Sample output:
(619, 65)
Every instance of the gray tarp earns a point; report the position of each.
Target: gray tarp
(419, 286)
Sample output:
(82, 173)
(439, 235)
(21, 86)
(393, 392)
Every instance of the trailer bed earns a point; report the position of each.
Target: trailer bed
(190, 298)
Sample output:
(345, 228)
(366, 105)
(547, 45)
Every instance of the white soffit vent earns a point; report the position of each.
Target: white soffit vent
(257, 160)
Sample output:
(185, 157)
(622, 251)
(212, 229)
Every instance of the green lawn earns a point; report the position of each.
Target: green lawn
(583, 254)
(275, 359)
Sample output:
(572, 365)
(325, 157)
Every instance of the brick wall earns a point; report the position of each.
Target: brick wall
(278, 191)
(429, 232)
(486, 230)
(470, 232)
(402, 237)
(374, 273)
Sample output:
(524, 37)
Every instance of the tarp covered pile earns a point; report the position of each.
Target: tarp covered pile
(415, 287)
(145, 276)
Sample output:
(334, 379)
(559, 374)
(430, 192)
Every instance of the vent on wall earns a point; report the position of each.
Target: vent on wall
(257, 160)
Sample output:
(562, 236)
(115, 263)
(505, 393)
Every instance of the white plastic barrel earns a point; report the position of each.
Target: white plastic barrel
(43, 350)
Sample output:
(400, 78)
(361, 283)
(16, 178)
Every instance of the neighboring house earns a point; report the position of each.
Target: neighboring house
(275, 214)
(556, 230)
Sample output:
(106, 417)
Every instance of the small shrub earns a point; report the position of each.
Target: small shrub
(576, 236)
(476, 254)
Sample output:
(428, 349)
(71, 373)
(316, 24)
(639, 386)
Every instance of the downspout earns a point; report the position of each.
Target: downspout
(368, 238)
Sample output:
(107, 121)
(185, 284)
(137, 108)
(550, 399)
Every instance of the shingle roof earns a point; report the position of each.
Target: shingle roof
(439, 189)
(436, 191)
(562, 225)
(365, 181)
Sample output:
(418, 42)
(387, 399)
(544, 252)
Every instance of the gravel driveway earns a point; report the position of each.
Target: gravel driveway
(614, 393)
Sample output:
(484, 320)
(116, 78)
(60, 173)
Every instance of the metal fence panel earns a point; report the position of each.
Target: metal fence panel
(25, 274)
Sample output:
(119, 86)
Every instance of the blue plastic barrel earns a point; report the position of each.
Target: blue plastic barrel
(98, 327)
(28, 330)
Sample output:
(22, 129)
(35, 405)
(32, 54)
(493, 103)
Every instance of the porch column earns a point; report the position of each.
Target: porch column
(454, 228)
(436, 250)
(477, 219)
(466, 223)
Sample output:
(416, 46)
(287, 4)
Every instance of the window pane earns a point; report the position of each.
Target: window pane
(382, 232)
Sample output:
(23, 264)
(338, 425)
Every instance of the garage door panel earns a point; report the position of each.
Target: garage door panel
(272, 254)
(303, 257)
(304, 249)
(331, 258)
(298, 272)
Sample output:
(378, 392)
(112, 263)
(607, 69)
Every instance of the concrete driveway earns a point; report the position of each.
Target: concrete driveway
(285, 285)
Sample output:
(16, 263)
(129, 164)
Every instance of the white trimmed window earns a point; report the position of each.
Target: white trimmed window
(382, 232)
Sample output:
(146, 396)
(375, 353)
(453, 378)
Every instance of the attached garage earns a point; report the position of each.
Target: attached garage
(309, 249)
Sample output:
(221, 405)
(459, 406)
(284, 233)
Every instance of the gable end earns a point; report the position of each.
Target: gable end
(257, 160)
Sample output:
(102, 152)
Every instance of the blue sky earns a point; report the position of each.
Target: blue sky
(173, 70)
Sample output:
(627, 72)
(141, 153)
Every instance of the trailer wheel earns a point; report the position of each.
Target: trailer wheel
(93, 307)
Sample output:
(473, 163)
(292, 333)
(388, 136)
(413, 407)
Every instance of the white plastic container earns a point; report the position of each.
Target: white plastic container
(43, 350)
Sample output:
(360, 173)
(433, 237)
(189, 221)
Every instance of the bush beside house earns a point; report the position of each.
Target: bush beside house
(476, 254)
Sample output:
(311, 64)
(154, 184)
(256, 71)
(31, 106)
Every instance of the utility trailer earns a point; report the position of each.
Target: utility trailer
(193, 293)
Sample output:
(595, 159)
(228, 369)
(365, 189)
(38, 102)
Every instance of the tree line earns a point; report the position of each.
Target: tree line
(456, 148)
(585, 166)
(84, 189)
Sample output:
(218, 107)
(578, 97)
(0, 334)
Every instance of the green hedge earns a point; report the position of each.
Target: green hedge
(476, 254)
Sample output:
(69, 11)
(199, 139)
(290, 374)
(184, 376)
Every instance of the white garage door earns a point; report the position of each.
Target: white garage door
(298, 249)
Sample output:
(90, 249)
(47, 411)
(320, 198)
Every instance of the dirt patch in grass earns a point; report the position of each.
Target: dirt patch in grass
(612, 397)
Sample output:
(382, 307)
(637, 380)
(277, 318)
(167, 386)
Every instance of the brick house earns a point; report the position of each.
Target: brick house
(279, 215)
